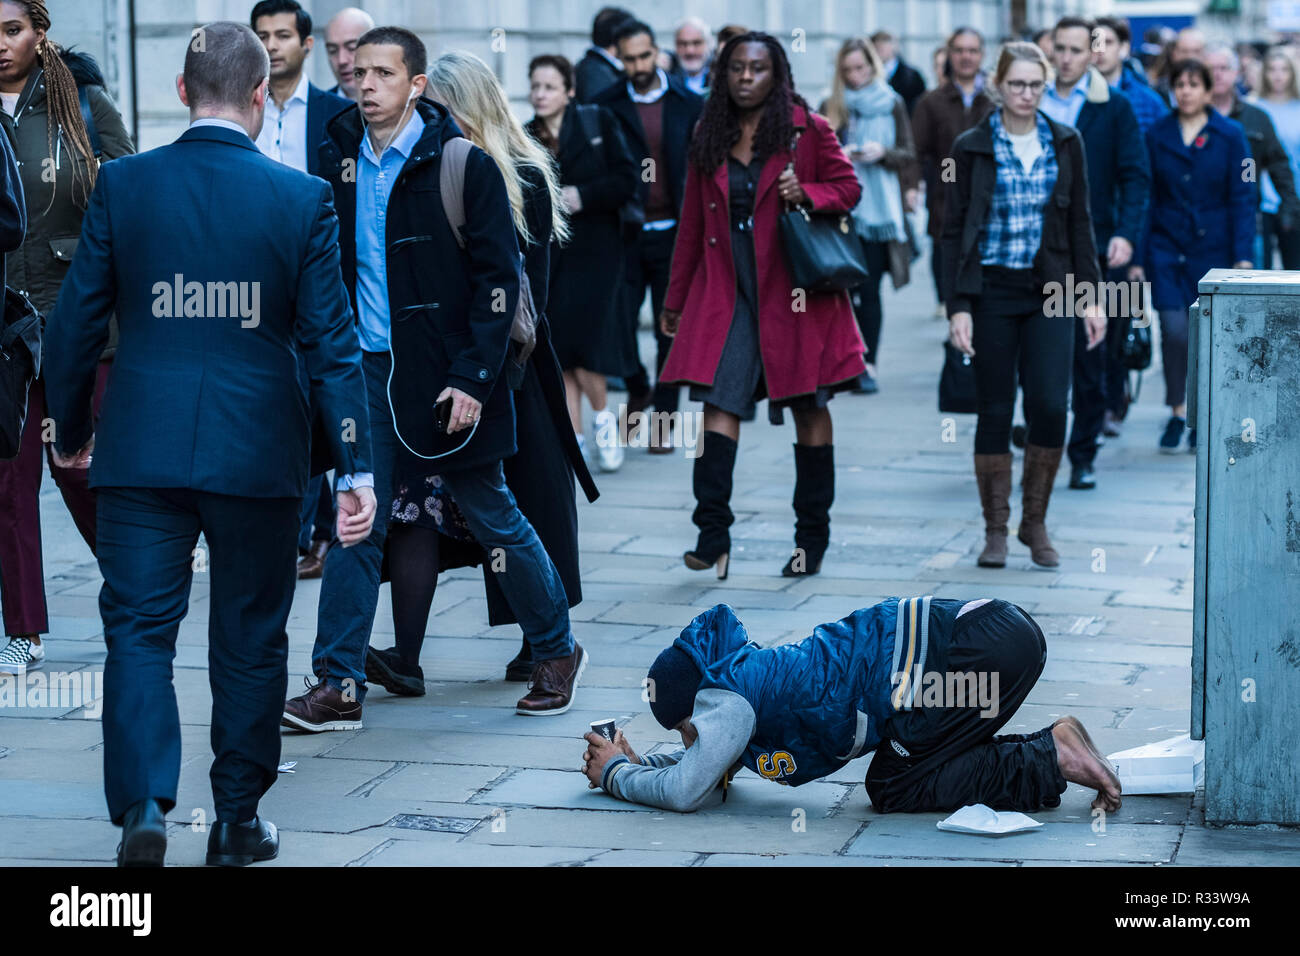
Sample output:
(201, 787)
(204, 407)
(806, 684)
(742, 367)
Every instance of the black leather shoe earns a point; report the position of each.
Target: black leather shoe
(520, 668)
(1083, 477)
(385, 669)
(144, 835)
(229, 844)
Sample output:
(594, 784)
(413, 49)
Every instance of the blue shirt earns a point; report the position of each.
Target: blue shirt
(1065, 109)
(1286, 120)
(1147, 105)
(375, 179)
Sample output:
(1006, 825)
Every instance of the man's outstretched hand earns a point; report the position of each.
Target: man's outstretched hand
(600, 751)
(356, 515)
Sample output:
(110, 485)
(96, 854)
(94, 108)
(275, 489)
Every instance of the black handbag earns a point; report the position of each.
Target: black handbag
(822, 249)
(1134, 347)
(957, 382)
(20, 363)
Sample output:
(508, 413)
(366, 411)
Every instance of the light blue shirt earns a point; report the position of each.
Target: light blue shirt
(1065, 109)
(1286, 120)
(375, 179)
(218, 121)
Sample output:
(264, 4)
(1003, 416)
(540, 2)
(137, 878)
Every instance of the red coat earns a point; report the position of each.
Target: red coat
(801, 350)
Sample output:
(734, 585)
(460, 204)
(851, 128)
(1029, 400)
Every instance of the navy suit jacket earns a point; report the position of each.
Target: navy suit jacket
(1119, 173)
(206, 399)
(322, 106)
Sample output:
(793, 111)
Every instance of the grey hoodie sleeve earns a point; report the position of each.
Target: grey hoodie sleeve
(682, 781)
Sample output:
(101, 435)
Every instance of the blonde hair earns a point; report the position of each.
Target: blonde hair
(468, 87)
(1292, 90)
(1021, 51)
(834, 109)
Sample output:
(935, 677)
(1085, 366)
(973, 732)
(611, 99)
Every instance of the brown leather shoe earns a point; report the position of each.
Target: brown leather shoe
(322, 708)
(312, 564)
(554, 682)
(993, 476)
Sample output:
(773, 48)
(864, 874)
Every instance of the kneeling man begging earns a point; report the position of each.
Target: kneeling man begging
(924, 682)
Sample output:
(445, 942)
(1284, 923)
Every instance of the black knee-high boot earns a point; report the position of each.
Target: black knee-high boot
(712, 486)
(814, 491)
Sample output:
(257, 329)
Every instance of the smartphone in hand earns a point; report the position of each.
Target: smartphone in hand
(442, 414)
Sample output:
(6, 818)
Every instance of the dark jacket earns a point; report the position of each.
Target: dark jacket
(322, 106)
(940, 117)
(1270, 157)
(1119, 176)
(593, 75)
(1202, 209)
(208, 401)
(587, 271)
(541, 475)
(681, 110)
(1067, 244)
(13, 207)
(451, 309)
(54, 221)
(908, 84)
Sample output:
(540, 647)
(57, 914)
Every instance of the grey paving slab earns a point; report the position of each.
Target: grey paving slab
(710, 830)
(803, 859)
(915, 835)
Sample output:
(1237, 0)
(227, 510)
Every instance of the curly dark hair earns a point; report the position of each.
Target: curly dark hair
(719, 125)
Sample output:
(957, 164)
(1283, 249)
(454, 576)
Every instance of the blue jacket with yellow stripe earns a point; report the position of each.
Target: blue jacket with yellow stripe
(823, 701)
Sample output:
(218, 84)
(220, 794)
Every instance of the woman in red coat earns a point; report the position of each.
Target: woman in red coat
(742, 331)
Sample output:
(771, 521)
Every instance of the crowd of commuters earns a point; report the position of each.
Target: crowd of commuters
(459, 258)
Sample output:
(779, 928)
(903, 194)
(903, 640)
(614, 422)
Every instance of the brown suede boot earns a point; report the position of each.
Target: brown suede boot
(1040, 474)
(993, 475)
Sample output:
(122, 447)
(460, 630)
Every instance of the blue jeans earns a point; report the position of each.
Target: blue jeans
(526, 573)
(349, 590)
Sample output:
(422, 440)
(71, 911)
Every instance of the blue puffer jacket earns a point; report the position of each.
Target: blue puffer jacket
(823, 701)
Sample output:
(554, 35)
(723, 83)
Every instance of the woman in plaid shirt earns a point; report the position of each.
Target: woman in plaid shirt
(1016, 232)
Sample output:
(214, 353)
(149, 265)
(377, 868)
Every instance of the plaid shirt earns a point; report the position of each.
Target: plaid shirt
(1014, 227)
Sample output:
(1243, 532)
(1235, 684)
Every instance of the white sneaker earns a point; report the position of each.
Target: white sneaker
(608, 443)
(21, 656)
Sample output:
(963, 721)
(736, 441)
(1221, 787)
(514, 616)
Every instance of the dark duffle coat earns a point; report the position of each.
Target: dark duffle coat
(451, 309)
(801, 351)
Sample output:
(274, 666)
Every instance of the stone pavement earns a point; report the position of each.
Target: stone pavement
(457, 778)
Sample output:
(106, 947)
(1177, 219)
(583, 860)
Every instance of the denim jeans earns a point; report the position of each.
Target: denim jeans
(349, 589)
(524, 570)
(316, 516)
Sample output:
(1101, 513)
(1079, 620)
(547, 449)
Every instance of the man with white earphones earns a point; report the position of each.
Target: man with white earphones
(434, 321)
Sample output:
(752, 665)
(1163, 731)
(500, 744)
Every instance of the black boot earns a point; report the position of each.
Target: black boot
(814, 491)
(712, 486)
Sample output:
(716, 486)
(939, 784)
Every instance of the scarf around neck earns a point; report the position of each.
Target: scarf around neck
(878, 215)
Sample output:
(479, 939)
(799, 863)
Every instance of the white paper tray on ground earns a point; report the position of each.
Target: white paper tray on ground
(984, 821)
(1176, 765)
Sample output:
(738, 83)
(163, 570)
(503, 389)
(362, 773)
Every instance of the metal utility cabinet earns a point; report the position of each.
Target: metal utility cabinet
(1244, 391)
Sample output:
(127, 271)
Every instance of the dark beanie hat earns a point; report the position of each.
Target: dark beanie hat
(673, 681)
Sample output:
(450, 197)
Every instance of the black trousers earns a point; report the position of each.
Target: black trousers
(1287, 242)
(146, 540)
(866, 297)
(649, 262)
(1089, 400)
(941, 758)
(1012, 333)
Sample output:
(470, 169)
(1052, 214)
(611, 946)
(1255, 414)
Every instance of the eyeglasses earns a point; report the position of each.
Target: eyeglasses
(1019, 87)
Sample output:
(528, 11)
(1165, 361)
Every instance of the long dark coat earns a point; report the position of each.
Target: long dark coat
(541, 474)
(586, 273)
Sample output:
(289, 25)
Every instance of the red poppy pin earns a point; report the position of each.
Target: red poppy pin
(1199, 142)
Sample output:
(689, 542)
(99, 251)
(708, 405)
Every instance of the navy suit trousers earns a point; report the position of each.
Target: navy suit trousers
(147, 549)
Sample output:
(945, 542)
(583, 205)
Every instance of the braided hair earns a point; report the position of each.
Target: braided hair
(719, 124)
(64, 107)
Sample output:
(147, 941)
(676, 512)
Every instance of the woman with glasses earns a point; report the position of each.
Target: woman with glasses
(1202, 218)
(1016, 222)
